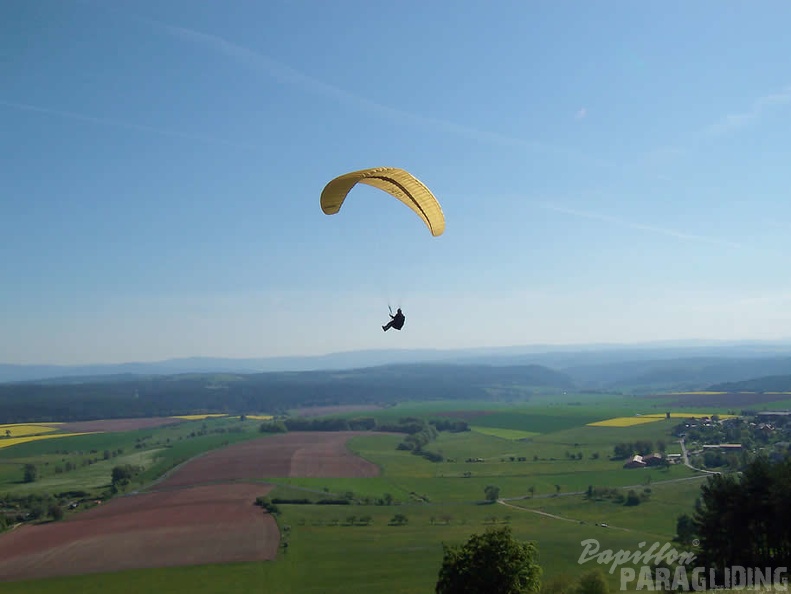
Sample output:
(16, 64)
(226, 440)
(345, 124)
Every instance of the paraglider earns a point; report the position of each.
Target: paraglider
(398, 183)
(396, 321)
(401, 185)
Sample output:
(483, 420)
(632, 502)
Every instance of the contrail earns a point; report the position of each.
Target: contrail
(639, 226)
(119, 124)
(287, 74)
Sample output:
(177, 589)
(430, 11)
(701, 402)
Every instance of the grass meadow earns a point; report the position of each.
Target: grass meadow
(542, 455)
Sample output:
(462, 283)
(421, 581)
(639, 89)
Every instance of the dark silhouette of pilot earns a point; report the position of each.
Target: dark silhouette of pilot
(396, 322)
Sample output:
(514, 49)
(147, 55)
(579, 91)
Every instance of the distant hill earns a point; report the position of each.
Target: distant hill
(125, 396)
(597, 365)
(772, 383)
(693, 373)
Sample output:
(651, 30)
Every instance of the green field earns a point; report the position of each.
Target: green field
(512, 434)
(542, 478)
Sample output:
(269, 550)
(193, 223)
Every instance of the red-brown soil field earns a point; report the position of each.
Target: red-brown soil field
(310, 454)
(208, 524)
(111, 425)
(734, 399)
(203, 512)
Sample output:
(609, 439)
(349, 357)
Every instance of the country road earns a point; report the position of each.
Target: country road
(505, 501)
(685, 457)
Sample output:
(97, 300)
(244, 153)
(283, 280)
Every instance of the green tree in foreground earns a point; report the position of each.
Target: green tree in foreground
(746, 519)
(490, 562)
(685, 529)
(559, 584)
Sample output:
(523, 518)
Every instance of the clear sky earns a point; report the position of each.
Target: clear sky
(609, 172)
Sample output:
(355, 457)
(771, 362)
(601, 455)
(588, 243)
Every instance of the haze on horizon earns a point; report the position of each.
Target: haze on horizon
(610, 173)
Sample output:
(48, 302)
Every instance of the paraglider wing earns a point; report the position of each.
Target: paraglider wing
(396, 182)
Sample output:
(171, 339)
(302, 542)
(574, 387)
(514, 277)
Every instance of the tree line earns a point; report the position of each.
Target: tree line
(168, 395)
(742, 519)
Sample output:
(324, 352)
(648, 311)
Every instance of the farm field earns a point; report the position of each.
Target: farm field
(515, 434)
(25, 429)
(85, 462)
(201, 513)
(319, 454)
(13, 441)
(193, 526)
(113, 425)
(541, 474)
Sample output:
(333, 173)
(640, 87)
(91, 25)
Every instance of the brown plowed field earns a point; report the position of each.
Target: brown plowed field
(184, 520)
(194, 526)
(117, 424)
(734, 399)
(298, 454)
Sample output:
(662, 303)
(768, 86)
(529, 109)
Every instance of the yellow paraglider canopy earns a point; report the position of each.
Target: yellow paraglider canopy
(396, 182)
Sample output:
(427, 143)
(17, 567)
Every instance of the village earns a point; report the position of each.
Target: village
(723, 441)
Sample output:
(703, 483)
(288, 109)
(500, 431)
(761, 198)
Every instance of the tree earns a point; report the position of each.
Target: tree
(492, 493)
(685, 529)
(592, 582)
(532, 491)
(746, 521)
(560, 584)
(121, 475)
(273, 427)
(8, 432)
(31, 473)
(490, 562)
(399, 520)
(56, 512)
(632, 498)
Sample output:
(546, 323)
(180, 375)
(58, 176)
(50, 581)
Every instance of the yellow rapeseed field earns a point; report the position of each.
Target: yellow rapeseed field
(260, 417)
(11, 441)
(689, 415)
(199, 417)
(703, 392)
(651, 418)
(624, 422)
(24, 429)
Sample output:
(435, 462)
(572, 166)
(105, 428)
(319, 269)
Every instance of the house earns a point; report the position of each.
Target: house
(653, 459)
(635, 461)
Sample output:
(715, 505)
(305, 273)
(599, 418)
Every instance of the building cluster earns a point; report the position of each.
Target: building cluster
(638, 461)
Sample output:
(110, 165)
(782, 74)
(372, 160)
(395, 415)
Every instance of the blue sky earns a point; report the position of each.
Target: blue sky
(609, 172)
